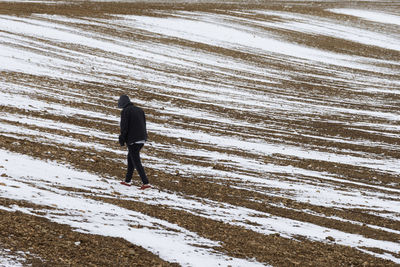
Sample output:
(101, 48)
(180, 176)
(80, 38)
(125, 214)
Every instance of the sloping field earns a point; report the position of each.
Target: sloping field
(274, 133)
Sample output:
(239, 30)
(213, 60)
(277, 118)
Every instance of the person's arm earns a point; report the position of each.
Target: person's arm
(145, 126)
(124, 128)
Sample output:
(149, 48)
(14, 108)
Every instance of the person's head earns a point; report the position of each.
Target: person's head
(123, 101)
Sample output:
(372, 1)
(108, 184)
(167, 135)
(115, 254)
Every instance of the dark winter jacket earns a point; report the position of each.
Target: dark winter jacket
(133, 123)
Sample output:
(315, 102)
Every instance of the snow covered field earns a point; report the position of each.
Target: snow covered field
(277, 125)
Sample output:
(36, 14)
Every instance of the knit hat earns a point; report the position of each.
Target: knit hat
(123, 101)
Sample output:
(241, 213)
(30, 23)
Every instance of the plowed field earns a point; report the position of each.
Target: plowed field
(274, 133)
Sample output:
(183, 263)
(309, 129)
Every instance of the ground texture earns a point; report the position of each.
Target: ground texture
(274, 133)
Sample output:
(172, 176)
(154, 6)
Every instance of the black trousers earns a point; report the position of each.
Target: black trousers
(134, 162)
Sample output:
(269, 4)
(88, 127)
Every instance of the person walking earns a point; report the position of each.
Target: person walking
(134, 135)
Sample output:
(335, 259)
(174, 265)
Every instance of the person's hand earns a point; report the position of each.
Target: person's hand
(121, 140)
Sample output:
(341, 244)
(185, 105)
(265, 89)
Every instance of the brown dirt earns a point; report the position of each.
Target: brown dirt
(41, 237)
(53, 244)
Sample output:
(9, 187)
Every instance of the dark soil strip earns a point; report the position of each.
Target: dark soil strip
(55, 243)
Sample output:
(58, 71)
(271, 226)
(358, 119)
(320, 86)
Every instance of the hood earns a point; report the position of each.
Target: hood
(123, 101)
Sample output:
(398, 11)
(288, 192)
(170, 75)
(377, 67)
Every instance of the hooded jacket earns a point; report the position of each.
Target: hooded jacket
(133, 122)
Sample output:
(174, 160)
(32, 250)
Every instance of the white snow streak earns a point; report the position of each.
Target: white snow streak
(370, 15)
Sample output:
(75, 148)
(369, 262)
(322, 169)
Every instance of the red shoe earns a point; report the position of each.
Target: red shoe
(125, 183)
(145, 186)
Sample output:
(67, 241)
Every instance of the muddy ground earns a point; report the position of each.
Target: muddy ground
(52, 244)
